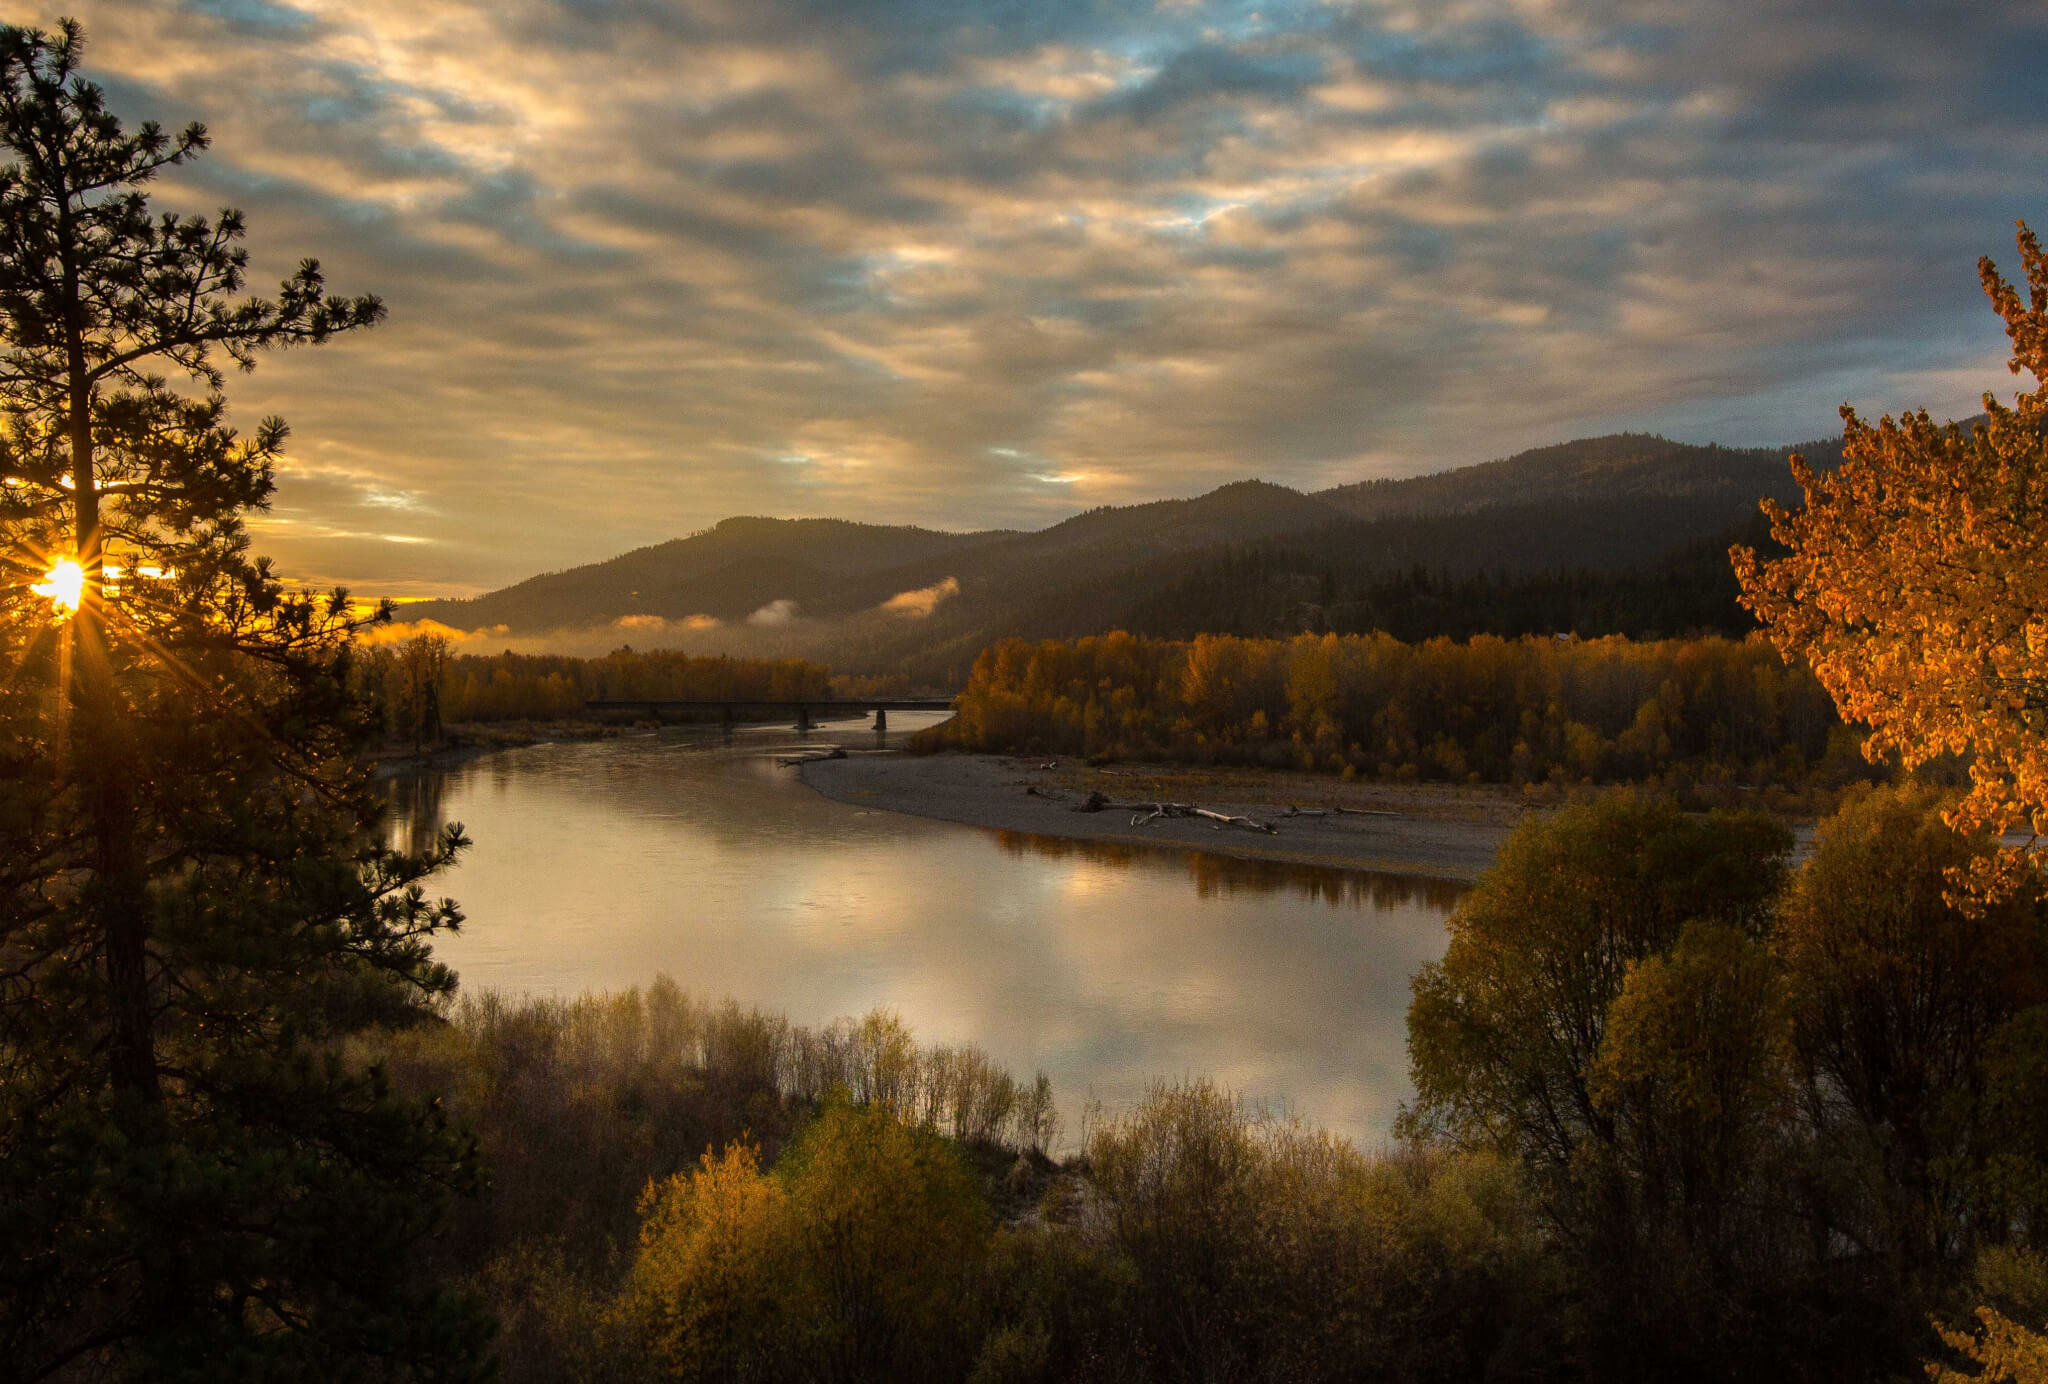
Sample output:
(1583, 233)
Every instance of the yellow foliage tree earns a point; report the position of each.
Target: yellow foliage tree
(709, 1287)
(1917, 584)
(2002, 1351)
(857, 1259)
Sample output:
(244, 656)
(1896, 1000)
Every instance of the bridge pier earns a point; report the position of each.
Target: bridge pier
(881, 720)
(803, 719)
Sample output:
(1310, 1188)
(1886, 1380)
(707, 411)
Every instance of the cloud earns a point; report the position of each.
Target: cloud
(655, 624)
(916, 605)
(398, 631)
(651, 265)
(773, 614)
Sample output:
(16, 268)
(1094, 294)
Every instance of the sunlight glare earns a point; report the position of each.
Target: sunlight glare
(65, 585)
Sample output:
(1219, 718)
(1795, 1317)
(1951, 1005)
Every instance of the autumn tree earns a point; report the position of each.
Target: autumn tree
(857, 1259)
(1603, 1015)
(193, 900)
(1503, 1033)
(1916, 582)
(1905, 1005)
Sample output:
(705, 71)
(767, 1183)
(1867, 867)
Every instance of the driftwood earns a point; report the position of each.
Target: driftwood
(1366, 812)
(811, 757)
(1293, 811)
(1143, 812)
(1152, 812)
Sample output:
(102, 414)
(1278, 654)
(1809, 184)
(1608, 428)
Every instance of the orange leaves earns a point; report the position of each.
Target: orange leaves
(1917, 582)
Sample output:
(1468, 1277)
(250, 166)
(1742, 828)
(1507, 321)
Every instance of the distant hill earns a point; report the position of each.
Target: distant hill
(830, 567)
(727, 571)
(1623, 466)
(1560, 524)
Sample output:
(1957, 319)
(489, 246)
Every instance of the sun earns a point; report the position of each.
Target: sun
(65, 585)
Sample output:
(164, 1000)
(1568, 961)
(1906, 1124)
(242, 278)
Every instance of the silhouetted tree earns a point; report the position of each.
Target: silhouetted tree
(193, 903)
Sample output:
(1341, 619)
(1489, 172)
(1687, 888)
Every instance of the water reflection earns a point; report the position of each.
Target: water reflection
(1219, 876)
(599, 866)
(417, 817)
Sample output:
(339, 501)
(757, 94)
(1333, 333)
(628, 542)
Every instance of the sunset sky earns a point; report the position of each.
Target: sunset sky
(655, 262)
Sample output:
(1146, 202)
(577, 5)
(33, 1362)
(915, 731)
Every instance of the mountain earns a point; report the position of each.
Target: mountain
(1623, 466)
(1558, 524)
(727, 571)
(830, 567)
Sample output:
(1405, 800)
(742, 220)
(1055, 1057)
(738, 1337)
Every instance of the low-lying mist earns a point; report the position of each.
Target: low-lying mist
(779, 628)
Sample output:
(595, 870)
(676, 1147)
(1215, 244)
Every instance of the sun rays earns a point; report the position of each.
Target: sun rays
(64, 586)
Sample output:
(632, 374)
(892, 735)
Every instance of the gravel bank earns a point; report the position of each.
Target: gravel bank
(1446, 833)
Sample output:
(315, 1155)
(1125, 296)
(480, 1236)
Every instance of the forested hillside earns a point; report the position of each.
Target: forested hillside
(1619, 466)
(1323, 584)
(1622, 534)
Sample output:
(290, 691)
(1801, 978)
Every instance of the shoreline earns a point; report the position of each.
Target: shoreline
(1435, 831)
(470, 740)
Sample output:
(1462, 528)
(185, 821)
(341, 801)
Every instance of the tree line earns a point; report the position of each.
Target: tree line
(417, 687)
(1483, 710)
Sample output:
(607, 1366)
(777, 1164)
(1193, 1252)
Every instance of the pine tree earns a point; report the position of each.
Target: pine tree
(195, 907)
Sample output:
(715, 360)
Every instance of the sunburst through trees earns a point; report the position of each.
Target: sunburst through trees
(193, 900)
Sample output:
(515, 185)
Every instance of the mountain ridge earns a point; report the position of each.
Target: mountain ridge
(901, 598)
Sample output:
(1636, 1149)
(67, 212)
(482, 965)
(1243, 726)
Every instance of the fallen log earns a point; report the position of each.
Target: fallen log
(812, 757)
(1152, 812)
(1250, 823)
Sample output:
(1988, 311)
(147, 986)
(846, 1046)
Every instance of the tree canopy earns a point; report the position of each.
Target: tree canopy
(1916, 582)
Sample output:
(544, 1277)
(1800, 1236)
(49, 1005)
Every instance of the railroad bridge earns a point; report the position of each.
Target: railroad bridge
(727, 711)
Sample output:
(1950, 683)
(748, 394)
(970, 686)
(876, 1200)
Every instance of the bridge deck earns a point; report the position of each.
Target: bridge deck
(853, 704)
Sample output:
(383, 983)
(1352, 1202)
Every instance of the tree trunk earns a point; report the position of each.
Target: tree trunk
(103, 768)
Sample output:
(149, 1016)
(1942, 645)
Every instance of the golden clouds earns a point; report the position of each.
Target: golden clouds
(638, 255)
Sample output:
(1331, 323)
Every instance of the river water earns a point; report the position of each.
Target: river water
(602, 865)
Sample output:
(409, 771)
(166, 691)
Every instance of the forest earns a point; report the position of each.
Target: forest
(1519, 711)
(1284, 587)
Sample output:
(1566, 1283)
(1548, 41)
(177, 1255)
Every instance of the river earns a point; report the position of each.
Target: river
(600, 865)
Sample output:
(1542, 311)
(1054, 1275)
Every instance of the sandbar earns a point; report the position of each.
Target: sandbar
(1435, 831)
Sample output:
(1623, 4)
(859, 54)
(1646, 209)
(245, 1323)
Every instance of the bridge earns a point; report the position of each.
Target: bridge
(805, 708)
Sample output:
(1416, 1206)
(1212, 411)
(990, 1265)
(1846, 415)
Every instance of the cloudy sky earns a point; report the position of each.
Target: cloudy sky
(978, 262)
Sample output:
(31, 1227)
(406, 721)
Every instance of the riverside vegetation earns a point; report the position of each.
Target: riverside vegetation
(1695, 715)
(417, 687)
(1682, 1112)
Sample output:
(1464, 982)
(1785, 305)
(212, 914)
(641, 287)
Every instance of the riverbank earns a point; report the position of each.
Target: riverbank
(1439, 831)
(472, 740)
